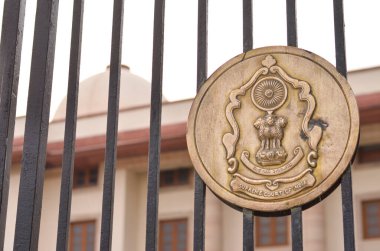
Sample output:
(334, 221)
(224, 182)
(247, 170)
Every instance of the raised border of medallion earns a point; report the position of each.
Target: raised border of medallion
(321, 188)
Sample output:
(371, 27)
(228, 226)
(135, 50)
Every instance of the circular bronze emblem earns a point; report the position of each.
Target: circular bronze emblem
(273, 128)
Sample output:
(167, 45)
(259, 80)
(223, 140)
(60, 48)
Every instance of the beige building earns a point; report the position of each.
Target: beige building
(322, 224)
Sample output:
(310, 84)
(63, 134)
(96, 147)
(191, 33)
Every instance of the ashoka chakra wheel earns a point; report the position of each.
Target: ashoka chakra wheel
(269, 94)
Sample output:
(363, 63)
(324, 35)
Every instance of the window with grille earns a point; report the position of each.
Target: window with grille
(371, 219)
(271, 231)
(82, 235)
(173, 235)
(85, 177)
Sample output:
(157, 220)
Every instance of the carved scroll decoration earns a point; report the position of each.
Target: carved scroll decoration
(269, 92)
(230, 139)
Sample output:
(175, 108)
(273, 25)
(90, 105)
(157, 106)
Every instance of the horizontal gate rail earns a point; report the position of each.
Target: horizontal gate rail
(10, 55)
(112, 127)
(70, 128)
(155, 127)
(346, 181)
(36, 127)
(199, 186)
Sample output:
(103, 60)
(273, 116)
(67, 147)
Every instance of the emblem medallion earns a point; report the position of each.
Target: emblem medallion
(273, 128)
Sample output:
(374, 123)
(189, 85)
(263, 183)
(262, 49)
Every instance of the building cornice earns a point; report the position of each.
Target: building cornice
(90, 150)
(369, 108)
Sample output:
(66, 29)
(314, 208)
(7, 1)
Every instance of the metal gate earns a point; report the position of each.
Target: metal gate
(36, 130)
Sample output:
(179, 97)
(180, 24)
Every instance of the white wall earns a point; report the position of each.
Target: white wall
(366, 186)
(12, 207)
(323, 227)
(50, 209)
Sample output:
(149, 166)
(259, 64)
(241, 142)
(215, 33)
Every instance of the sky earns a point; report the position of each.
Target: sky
(315, 33)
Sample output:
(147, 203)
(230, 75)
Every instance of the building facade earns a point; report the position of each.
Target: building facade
(322, 224)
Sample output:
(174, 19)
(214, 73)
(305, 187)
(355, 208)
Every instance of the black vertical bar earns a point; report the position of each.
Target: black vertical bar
(247, 25)
(248, 243)
(70, 127)
(340, 43)
(199, 186)
(346, 182)
(291, 24)
(155, 127)
(248, 236)
(297, 240)
(202, 43)
(36, 127)
(348, 211)
(112, 126)
(10, 55)
(199, 213)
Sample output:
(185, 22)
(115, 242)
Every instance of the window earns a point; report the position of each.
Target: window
(369, 153)
(84, 177)
(175, 177)
(173, 235)
(371, 219)
(82, 236)
(271, 231)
